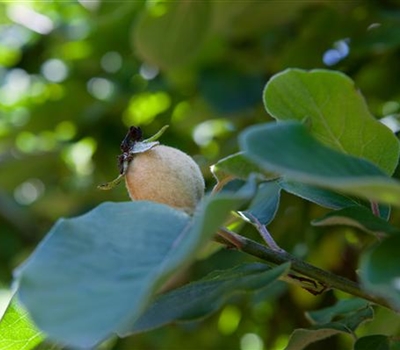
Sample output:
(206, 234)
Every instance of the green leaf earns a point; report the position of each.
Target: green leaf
(112, 260)
(359, 217)
(372, 342)
(340, 309)
(379, 270)
(17, 332)
(265, 204)
(288, 149)
(169, 34)
(327, 198)
(337, 112)
(320, 196)
(303, 337)
(203, 297)
(236, 166)
(93, 272)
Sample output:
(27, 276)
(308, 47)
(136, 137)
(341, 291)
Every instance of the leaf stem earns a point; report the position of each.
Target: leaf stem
(109, 185)
(157, 135)
(264, 232)
(274, 257)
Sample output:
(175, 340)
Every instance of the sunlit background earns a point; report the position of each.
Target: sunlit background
(75, 75)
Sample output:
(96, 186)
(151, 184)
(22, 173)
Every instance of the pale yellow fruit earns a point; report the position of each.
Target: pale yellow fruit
(165, 175)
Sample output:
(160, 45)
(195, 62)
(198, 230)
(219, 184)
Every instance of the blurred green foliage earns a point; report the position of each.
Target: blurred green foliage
(75, 75)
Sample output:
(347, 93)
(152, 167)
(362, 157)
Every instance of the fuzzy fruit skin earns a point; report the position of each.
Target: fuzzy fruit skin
(165, 175)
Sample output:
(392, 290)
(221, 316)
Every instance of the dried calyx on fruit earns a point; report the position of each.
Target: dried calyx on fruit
(158, 173)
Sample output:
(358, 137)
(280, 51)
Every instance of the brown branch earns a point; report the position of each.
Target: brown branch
(274, 257)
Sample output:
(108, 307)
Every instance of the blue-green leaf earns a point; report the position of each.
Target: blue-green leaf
(201, 298)
(340, 309)
(320, 196)
(96, 271)
(265, 203)
(302, 337)
(236, 166)
(328, 198)
(288, 149)
(359, 217)
(93, 275)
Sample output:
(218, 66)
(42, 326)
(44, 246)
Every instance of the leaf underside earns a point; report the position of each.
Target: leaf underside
(112, 259)
(290, 150)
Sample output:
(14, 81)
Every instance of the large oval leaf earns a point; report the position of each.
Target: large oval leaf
(94, 272)
(289, 149)
(337, 112)
(93, 275)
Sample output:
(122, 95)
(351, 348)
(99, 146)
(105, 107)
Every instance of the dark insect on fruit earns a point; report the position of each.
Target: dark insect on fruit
(134, 135)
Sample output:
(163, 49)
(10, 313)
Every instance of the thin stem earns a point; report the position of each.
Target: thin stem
(157, 135)
(220, 184)
(109, 185)
(273, 257)
(263, 231)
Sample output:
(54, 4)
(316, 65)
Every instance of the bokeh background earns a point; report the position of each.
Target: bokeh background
(74, 75)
